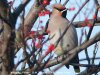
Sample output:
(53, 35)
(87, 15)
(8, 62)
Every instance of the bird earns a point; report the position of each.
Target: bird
(56, 25)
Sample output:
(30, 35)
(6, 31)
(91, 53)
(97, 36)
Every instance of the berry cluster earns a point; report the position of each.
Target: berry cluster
(88, 23)
(50, 48)
(44, 12)
(43, 2)
(46, 2)
(37, 45)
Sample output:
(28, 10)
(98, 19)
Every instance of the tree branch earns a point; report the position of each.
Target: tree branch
(79, 24)
(71, 53)
(20, 8)
(6, 40)
(65, 2)
(91, 70)
(74, 51)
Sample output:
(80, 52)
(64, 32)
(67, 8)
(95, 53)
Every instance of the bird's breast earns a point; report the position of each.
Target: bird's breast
(57, 26)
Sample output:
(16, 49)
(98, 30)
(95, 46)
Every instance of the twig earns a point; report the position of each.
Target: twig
(84, 65)
(93, 40)
(65, 2)
(74, 51)
(89, 34)
(86, 52)
(20, 8)
(96, 58)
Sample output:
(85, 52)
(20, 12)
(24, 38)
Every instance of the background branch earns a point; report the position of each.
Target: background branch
(71, 53)
(20, 8)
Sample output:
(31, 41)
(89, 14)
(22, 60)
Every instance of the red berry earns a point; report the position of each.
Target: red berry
(94, 16)
(48, 31)
(40, 14)
(43, 14)
(47, 12)
(40, 37)
(32, 32)
(83, 24)
(50, 48)
(71, 9)
(86, 20)
(45, 2)
(89, 25)
(37, 45)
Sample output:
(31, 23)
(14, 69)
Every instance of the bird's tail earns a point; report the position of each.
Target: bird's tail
(76, 61)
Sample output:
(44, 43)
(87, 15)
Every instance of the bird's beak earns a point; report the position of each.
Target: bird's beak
(64, 10)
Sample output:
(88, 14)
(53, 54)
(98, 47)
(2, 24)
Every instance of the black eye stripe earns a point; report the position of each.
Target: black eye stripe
(59, 9)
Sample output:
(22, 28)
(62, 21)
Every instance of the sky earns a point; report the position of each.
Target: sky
(84, 13)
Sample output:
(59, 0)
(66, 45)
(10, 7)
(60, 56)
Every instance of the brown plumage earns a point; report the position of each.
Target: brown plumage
(57, 25)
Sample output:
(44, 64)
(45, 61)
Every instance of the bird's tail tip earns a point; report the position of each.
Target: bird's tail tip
(77, 70)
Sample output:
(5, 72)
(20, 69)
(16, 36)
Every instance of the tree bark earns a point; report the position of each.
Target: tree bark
(6, 39)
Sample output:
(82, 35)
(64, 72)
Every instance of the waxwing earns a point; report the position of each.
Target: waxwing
(57, 25)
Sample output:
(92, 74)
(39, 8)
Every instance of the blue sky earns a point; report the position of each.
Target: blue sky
(81, 16)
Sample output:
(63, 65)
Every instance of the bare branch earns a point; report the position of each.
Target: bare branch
(79, 24)
(65, 2)
(96, 58)
(20, 8)
(91, 70)
(6, 40)
(72, 53)
(96, 2)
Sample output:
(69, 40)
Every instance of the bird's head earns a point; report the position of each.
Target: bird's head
(60, 10)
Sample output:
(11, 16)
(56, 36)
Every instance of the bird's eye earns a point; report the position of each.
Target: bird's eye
(60, 9)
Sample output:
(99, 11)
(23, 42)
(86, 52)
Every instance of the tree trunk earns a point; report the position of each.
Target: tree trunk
(6, 39)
